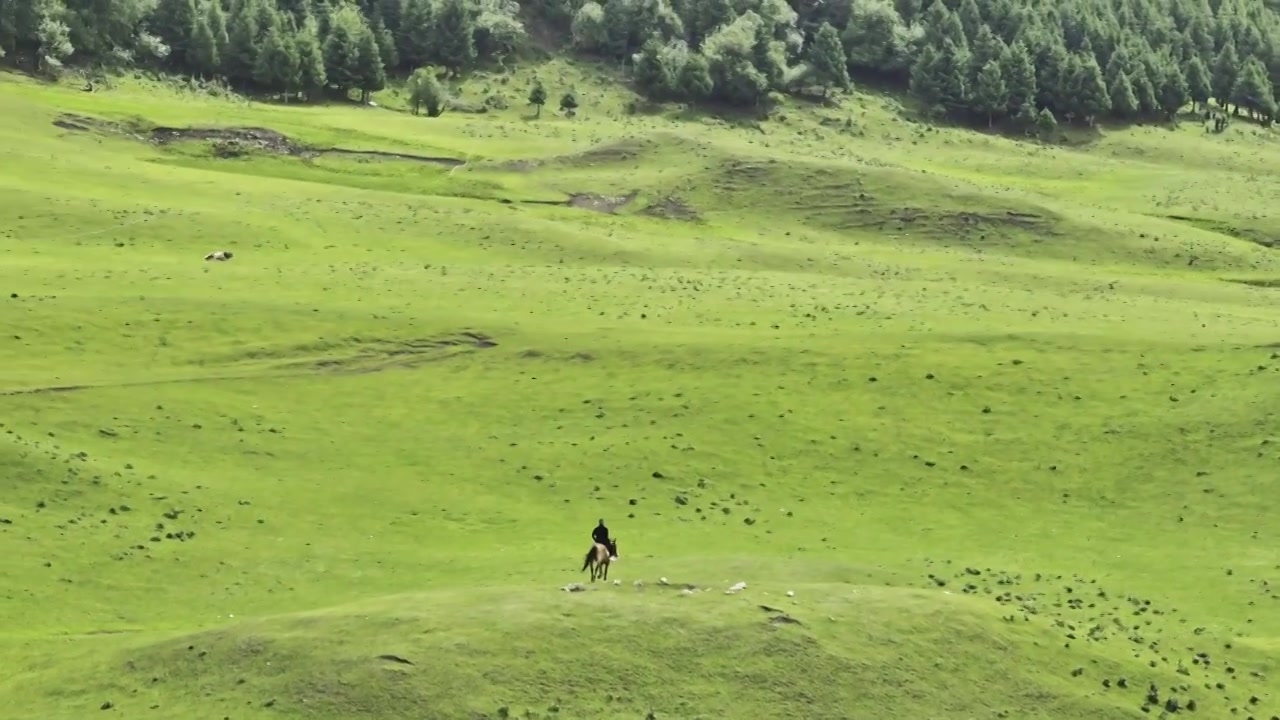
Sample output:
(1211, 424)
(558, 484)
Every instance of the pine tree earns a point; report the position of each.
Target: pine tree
(990, 94)
(1089, 89)
(1225, 69)
(1053, 77)
(276, 66)
(569, 104)
(417, 28)
(173, 21)
(1019, 77)
(241, 56)
(202, 52)
(341, 50)
(371, 74)
(453, 36)
(1199, 84)
(386, 44)
(538, 97)
(828, 60)
(1123, 101)
(1173, 92)
(217, 20)
(1144, 90)
(984, 48)
(1253, 89)
(311, 75)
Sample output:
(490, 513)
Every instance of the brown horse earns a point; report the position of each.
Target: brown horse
(599, 558)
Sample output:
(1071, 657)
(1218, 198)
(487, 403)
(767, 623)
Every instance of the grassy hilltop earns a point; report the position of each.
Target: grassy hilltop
(1000, 415)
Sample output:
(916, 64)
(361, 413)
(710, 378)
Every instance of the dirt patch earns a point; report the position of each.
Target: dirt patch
(671, 208)
(590, 201)
(949, 224)
(67, 122)
(379, 355)
(1269, 283)
(42, 390)
(600, 203)
(1253, 235)
(236, 141)
(232, 142)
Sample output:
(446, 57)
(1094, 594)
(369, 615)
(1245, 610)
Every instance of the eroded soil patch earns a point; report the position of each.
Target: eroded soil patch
(378, 355)
(230, 142)
(601, 203)
(671, 208)
(1269, 283)
(591, 201)
(1252, 235)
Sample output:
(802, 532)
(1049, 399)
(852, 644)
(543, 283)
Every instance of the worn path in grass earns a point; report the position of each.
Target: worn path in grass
(1002, 423)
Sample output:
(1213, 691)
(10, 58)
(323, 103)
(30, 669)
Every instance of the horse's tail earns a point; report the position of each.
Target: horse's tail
(587, 563)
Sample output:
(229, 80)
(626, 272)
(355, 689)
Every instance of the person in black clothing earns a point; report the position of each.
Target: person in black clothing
(601, 535)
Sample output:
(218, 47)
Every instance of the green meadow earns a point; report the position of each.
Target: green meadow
(987, 426)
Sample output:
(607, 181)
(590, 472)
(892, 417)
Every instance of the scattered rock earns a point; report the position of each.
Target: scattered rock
(574, 587)
(737, 587)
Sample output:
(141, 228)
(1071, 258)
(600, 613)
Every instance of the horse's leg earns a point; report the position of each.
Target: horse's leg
(606, 570)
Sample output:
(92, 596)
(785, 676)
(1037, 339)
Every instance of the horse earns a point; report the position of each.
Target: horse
(598, 559)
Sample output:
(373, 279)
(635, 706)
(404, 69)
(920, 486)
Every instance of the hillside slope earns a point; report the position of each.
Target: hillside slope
(970, 400)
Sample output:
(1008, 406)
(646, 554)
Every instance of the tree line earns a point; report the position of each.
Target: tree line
(1029, 61)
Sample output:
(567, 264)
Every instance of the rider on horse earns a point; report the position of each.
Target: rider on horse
(601, 535)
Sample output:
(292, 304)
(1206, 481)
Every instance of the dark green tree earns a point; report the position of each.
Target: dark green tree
(1225, 69)
(990, 95)
(341, 50)
(370, 72)
(1089, 97)
(241, 56)
(386, 44)
(417, 29)
(1019, 77)
(1199, 83)
(202, 51)
(276, 67)
(311, 73)
(1253, 90)
(1173, 92)
(453, 37)
(827, 59)
(652, 75)
(1145, 91)
(1045, 122)
(694, 81)
(569, 104)
(174, 21)
(1124, 103)
(538, 97)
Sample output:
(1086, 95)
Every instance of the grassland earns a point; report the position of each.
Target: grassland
(1000, 415)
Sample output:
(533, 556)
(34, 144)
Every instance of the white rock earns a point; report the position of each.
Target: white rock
(791, 593)
(662, 581)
